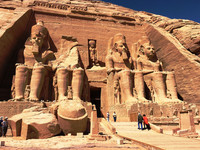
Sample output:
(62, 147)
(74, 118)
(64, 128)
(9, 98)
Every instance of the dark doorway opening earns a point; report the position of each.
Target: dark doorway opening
(95, 97)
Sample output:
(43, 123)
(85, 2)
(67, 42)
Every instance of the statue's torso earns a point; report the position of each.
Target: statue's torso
(146, 64)
(119, 62)
(30, 59)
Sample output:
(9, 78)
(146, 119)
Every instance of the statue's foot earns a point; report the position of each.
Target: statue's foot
(19, 98)
(62, 98)
(76, 98)
(131, 100)
(178, 101)
(167, 100)
(34, 99)
(144, 100)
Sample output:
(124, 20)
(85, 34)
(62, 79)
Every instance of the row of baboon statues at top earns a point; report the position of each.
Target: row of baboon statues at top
(128, 70)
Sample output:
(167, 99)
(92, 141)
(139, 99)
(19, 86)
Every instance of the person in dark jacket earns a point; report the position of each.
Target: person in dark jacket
(4, 126)
(140, 120)
(1, 121)
(114, 116)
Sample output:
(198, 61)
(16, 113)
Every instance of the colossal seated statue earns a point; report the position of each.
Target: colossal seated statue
(36, 59)
(69, 73)
(162, 84)
(119, 64)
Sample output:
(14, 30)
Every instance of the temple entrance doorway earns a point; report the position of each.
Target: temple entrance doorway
(95, 97)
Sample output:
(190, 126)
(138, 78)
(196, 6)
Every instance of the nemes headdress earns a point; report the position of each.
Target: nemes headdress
(39, 28)
(115, 39)
(119, 37)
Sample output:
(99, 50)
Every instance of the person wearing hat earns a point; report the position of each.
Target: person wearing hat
(4, 126)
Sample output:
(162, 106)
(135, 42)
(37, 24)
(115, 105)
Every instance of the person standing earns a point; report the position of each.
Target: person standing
(4, 126)
(146, 122)
(114, 116)
(140, 120)
(1, 121)
(108, 116)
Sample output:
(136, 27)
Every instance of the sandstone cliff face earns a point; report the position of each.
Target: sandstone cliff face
(186, 31)
(89, 19)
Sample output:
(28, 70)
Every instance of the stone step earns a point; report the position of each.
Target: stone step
(168, 142)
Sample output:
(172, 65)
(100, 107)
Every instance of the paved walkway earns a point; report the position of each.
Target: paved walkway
(168, 142)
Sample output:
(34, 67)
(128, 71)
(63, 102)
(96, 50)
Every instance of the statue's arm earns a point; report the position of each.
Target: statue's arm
(127, 60)
(125, 55)
(74, 55)
(48, 56)
(109, 64)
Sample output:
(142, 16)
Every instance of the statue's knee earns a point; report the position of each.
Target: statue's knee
(38, 69)
(61, 71)
(21, 68)
(78, 71)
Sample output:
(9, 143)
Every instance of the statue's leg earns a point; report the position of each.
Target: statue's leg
(116, 89)
(159, 87)
(21, 79)
(63, 81)
(126, 84)
(37, 80)
(139, 86)
(171, 86)
(77, 83)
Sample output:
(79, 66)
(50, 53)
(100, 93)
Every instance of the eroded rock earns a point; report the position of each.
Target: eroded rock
(34, 123)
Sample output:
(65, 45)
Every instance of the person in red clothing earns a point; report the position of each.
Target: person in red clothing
(146, 124)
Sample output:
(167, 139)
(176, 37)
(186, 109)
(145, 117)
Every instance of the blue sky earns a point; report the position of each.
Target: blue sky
(178, 9)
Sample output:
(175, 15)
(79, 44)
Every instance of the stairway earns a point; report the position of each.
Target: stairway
(168, 142)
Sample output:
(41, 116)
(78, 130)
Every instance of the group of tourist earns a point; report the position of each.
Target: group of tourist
(114, 116)
(143, 120)
(3, 126)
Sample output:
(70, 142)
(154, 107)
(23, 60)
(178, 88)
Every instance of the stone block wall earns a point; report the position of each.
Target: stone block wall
(9, 108)
(83, 30)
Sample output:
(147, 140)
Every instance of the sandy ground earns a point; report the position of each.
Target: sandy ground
(65, 142)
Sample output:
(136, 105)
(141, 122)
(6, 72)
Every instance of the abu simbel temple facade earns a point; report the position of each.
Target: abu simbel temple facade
(65, 64)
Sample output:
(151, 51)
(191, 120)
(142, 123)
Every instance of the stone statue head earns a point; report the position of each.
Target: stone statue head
(92, 43)
(119, 43)
(39, 36)
(147, 49)
(144, 48)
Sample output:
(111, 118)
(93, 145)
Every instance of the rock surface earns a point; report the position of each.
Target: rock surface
(34, 123)
(72, 117)
(97, 20)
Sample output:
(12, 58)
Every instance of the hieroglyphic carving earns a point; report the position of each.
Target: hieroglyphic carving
(93, 52)
(51, 5)
(117, 96)
(123, 16)
(55, 85)
(58, 6)
(69, 93)
(27, 92)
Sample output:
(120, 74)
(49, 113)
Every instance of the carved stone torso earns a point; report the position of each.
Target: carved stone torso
(29, 58)
(119, 62)
(147, 64)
